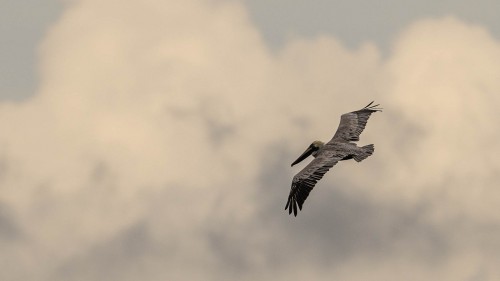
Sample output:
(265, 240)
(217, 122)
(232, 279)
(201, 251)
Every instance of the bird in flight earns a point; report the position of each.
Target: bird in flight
(340, 147)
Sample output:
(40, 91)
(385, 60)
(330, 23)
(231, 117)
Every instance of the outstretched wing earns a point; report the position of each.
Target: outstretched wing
(353, 123)
(305, 180)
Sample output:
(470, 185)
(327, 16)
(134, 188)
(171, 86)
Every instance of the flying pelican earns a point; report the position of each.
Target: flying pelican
(340, 147)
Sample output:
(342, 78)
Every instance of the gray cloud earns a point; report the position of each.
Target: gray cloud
(340, 225)
(8, 229)
(124, 256)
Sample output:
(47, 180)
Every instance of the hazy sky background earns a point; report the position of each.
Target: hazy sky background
(152, 140)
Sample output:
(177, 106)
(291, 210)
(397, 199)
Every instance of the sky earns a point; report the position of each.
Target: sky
(152, 140)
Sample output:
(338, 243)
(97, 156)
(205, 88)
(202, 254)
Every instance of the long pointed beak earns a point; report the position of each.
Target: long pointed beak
(304, 155)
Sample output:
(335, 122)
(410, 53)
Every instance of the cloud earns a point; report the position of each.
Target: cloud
(449, 96)
(158, 147)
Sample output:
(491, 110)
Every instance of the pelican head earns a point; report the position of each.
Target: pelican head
(312, 149)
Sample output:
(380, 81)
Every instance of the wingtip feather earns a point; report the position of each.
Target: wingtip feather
(370, 106)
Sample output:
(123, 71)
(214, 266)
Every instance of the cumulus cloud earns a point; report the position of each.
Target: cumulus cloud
(158, 148)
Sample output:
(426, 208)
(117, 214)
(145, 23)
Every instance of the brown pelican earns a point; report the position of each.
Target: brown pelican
(340, 147)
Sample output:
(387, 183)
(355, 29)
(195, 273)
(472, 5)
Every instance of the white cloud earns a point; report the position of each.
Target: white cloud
(444, 80)
(162, 132)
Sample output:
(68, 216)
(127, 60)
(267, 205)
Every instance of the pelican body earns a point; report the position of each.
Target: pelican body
(326, 155)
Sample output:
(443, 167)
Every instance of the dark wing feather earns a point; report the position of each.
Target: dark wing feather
(353, 123)
(305, 180)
